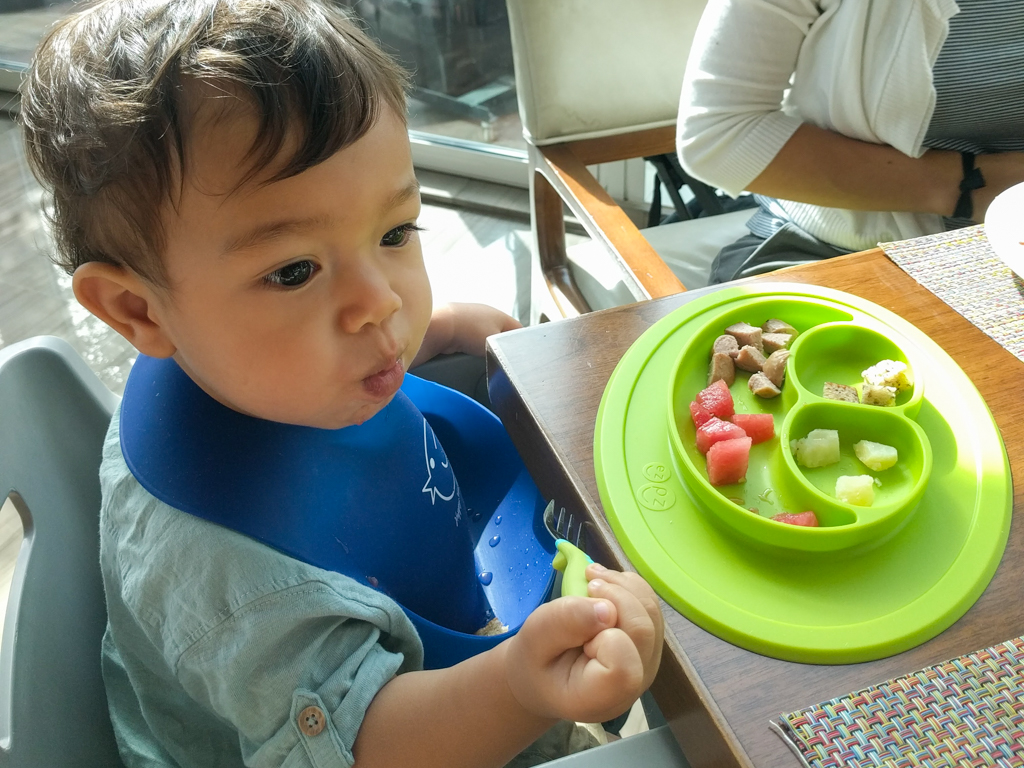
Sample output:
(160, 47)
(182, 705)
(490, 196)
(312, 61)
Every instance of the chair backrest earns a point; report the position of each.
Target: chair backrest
(592, 68)
(54, 413)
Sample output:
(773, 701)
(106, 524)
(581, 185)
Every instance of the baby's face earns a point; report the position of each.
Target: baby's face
(303, 300)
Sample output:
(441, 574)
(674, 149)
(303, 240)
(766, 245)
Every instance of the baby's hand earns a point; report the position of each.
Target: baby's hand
(473, 323)
(588, 659)
(462, 328)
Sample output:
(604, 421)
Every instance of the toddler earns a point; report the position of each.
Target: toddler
(233, 188)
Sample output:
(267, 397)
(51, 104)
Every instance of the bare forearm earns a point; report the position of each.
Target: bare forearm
(825, 168)
(440, 335)
(461, 716)
(462, 328)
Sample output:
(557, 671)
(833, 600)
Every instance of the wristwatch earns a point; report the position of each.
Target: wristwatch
(971, 181)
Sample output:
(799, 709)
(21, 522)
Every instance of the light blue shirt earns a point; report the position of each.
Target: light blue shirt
(215, 643)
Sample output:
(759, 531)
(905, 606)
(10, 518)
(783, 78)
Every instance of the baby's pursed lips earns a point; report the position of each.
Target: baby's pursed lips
(387, 366)
(385, 362)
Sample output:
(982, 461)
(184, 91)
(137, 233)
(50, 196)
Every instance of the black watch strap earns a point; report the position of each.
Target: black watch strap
(971, 181)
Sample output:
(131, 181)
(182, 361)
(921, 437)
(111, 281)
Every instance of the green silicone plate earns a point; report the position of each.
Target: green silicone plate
(872, 581)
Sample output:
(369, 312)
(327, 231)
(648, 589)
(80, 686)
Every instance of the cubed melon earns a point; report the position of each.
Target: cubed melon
(758, 426)
(875, 456)
(728, 460)
(714, 431)
(856, 489)
(819, 449)
(807, 519)
(717, 399)
(700, 414)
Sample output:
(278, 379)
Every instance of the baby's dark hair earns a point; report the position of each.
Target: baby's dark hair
(106, 115)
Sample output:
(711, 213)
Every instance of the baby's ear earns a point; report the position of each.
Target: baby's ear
(125, 302)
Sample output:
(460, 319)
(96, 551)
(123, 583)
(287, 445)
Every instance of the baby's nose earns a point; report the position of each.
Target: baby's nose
(367, 299)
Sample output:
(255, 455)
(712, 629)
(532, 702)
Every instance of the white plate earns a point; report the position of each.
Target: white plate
(1004, 226)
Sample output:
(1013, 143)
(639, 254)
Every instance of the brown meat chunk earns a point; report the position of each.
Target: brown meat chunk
(762, 387)
(722, 367)
(775, 366)
(779, 326)
(727, 344)
(746, 335)
(750, 359)
(773, 342)
(833, 391)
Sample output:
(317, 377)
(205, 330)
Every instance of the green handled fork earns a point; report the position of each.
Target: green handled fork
(570, 559)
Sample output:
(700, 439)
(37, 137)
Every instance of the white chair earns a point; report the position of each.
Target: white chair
(54, 414)
(599, 81)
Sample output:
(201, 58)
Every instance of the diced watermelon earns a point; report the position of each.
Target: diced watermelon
(717, 399)
(700, 414)
(715, 430)
(758, 426)
(727, 461)
(807, 519)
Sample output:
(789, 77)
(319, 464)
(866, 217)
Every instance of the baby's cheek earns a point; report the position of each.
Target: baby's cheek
(419, 319)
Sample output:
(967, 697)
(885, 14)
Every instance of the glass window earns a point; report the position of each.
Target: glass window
(459, 54)
(463, 112)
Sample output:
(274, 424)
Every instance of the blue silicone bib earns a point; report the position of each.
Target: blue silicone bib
(378, 502)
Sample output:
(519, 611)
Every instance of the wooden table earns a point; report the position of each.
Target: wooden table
(546, 383)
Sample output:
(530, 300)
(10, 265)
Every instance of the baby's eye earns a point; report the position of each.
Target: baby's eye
(399, 236)
(293, 275)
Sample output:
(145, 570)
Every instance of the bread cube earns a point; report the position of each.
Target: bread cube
(876, 456)
(819, 449)
(856, 489)
(833, 391)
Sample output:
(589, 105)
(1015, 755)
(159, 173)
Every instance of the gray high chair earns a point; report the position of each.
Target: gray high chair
(54, 414)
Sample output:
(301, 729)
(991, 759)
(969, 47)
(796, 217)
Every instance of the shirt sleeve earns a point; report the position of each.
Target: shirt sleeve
(304, 653)
(731, 122)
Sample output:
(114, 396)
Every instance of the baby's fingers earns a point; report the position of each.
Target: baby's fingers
(611, 673)
(632, 582)
(634, 619)
(566, 623)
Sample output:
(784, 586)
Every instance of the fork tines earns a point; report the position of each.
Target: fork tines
(571, 529)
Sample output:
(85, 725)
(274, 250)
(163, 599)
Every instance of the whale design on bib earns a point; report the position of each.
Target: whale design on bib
(378, 502)
(440, 474)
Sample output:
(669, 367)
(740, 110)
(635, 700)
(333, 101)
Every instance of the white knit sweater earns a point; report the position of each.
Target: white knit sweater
(863, 68)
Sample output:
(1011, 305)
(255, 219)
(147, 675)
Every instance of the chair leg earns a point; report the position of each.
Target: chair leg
(547, 210)
(706, 195)
(672, 183)
(654, 212)
(672, 175)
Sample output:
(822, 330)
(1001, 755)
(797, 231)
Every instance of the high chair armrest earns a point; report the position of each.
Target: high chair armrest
(656, 748)
(562, 176)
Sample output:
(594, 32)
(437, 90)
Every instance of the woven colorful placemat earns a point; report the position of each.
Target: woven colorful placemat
(960, 268)
(964, 712)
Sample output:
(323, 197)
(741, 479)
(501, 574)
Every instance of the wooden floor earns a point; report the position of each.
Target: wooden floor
(470, 256)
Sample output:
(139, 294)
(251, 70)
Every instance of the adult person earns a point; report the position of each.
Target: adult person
(853, 121)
